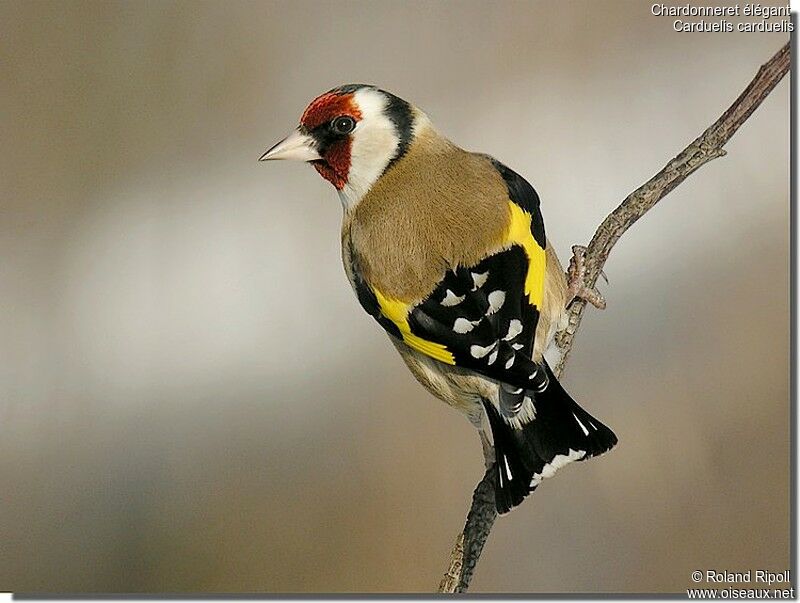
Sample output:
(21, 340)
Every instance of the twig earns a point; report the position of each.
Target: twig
(464, 556)
(470, 542)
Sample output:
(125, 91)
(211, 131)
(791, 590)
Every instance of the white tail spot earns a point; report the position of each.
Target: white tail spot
(559, 460)
(583, 427)
(508, 469)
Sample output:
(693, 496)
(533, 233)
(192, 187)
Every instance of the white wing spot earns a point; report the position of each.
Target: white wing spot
(496, 301)
(451, 299)
(462, 325)
(517, 346)
(510, 362)
(492, 357)
(514, 329)
(479, 352)
(479, 280)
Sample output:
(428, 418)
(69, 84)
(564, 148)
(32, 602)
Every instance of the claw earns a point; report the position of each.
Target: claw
(576, 274)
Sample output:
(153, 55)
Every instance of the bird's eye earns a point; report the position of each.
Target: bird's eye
(343, 125)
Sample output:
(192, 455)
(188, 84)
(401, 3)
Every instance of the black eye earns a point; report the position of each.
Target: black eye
(343, 125)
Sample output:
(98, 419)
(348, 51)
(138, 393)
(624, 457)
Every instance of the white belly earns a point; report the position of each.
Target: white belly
(461, 389)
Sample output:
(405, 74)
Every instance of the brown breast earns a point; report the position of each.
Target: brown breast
(437, 207)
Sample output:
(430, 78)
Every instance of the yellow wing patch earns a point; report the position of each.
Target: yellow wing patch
(397, 312)
(519, 233)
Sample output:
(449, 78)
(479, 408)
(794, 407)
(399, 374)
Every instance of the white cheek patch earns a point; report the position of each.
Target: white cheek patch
(374, 144)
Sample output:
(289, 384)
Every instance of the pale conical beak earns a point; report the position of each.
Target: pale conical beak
(297, 146)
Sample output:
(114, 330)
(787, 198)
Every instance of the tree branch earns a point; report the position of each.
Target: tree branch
(467, 550)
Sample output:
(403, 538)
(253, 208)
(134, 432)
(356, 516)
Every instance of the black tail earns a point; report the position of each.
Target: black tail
(560, 433)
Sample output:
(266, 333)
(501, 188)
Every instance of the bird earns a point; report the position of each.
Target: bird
(446, 250)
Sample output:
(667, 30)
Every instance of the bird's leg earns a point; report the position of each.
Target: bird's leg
(488, 449)
(576, 285)
(480, 422)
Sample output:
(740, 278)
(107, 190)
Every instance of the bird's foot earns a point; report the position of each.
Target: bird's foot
(576, 284)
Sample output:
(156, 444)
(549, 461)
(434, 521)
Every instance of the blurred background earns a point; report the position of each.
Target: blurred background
(178, 410)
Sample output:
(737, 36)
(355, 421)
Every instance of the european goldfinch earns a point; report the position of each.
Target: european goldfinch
(446, 250)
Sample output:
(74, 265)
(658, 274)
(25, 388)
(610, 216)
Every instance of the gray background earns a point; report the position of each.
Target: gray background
(190, 396)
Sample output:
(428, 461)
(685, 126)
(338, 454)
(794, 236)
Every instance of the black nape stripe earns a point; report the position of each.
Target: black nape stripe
(399, 112)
